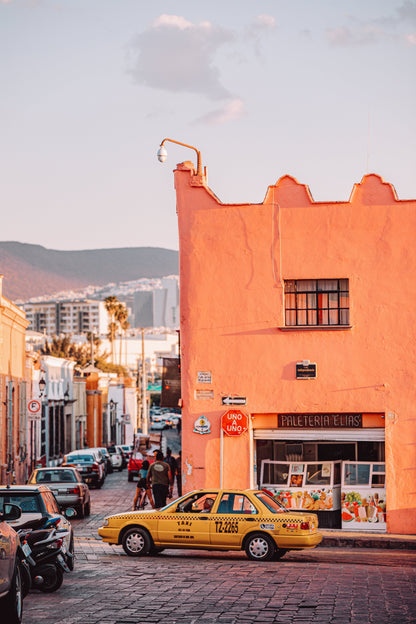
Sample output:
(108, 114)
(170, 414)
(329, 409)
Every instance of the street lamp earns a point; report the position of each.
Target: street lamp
(42, 385)
(162, 154)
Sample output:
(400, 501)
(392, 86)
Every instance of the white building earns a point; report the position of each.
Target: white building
(77, 316)
(156, 347)
(158, 307)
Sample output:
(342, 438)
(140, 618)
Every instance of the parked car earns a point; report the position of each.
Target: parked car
(134, 465)
(67, 485)
(159, 423)
(127, 450)
(89, 464)
(116, 457)
(107, 459)
(212, 519)
(11, 595)
(37, 502)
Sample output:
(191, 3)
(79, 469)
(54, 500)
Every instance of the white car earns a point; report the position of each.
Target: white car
(116, 457)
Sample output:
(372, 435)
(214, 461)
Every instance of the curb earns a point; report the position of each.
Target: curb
(368, 541)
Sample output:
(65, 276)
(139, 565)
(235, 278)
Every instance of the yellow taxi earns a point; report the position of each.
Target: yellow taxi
(211, 519)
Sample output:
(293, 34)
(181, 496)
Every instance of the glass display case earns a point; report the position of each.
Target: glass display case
(363, 496)
(310, 486)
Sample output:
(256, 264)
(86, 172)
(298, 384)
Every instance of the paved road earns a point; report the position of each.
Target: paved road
(326, 585)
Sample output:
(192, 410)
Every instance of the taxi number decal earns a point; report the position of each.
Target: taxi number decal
(226, 526)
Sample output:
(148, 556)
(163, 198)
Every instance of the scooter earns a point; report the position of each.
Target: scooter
(44, 550)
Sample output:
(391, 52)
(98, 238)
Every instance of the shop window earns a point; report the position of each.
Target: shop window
(316, 302)
(356, 474)
(318, 474)
(275, 473)
(378, 477)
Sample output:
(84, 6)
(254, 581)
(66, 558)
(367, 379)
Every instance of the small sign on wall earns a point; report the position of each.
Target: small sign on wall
(204, 377)
(305, 370)
(204, 394)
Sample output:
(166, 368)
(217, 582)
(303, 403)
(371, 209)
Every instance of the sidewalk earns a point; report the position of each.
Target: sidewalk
(343, 539)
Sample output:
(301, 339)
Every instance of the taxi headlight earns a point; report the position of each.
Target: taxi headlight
(106, 522)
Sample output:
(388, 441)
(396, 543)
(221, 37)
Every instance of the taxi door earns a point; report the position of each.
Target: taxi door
(191, 525)
(234, 517)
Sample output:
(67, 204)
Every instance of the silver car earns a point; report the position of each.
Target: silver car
(67, 486)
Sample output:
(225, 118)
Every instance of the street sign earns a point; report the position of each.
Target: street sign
(33, 406)
(234, 422)
(233, 400)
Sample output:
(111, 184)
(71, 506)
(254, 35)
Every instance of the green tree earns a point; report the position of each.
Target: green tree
(111, 305)
(121, 317)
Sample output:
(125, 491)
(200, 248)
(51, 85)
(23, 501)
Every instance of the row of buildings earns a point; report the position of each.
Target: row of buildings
(151, 307)
(50, 407)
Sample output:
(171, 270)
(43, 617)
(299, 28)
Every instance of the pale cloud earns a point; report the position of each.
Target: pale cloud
(355, 36)
(385, 27)
(177, 21)
(260, 26)
(178, 56)
(411, 39)
(265, 21)
(229, 112)
(407, 11)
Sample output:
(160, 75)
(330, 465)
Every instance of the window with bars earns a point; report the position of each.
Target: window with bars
(316, 302)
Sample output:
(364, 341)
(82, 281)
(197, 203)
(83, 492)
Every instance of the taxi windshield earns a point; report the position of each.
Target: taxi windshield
(271, 503)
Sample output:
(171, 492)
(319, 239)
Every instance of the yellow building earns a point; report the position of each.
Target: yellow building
(14, 392)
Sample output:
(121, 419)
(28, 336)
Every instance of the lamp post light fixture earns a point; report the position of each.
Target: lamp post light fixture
(162, 154)
(42, 385)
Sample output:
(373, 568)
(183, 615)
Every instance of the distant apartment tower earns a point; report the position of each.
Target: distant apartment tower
(67, 317)
(158, 307)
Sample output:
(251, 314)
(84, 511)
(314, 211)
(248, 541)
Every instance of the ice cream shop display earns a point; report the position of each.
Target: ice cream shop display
(363, 496)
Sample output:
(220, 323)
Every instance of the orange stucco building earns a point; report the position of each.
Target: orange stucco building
(301, 315)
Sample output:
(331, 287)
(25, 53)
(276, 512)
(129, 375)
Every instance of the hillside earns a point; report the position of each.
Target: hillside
(32, 270)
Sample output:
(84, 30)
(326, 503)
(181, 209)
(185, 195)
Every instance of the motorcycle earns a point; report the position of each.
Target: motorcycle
(45, 552)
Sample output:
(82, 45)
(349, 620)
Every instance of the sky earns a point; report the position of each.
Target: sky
(323, 90)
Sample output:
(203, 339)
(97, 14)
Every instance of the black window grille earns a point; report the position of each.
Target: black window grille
(316, 302)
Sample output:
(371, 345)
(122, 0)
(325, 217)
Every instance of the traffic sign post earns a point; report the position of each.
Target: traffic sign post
(233, 400)
(34, 409)
(234, 422)
(33, 406)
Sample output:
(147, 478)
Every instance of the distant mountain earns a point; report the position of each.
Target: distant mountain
(32, 270)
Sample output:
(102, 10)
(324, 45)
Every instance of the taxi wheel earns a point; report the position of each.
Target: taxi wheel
(136, 542)
(260, 547)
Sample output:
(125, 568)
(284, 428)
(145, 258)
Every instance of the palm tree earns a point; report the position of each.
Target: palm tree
(121, 317)
(111, 305)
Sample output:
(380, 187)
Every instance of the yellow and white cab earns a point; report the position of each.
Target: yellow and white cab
(212, 519)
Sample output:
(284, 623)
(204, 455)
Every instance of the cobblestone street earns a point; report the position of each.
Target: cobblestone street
(325, 585)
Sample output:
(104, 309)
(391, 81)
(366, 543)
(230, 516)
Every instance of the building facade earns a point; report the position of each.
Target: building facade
(15, 388)
(67, 317)
(296, 321)
(158, 307)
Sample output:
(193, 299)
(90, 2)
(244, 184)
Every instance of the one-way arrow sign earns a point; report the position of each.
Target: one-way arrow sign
(233, 400)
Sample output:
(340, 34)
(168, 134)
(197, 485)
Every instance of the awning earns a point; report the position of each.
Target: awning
(317, 435)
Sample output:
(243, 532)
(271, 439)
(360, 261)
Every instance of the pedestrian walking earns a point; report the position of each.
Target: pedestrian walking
(160, 478)
(179, 473)
(169, 459)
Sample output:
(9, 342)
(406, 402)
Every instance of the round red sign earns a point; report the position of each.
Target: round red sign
(33, 406)
(234, 422)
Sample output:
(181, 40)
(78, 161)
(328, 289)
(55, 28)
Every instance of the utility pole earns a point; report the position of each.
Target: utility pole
(145, 421)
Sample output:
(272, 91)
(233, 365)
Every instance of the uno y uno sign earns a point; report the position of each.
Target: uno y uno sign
(234, 422)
